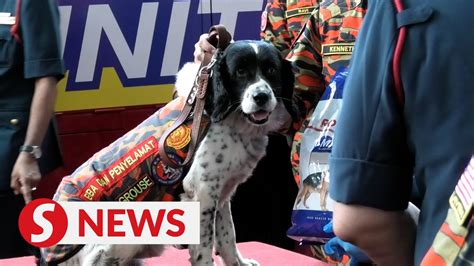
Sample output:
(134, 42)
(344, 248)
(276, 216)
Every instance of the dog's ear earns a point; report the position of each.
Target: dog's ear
(288, 84)
(218, 101)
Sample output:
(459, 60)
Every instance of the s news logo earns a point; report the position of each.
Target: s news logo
(45, 223)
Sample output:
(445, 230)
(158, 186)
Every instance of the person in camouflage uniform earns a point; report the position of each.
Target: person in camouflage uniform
(317, 41)
(324, 44)
(282, 21)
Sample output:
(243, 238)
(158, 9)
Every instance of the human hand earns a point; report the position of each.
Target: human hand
(201, 47)
(339, 251)
(25, 176)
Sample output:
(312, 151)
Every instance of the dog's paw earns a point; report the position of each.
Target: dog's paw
(249, 262)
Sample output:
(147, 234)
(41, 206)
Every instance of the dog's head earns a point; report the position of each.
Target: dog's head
(314, 180)
(250, 78)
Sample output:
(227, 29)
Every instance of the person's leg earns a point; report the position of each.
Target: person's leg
(262, 206)
(12, 244)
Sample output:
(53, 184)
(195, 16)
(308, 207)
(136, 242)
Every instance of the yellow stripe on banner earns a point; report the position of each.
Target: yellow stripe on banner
(111, 93)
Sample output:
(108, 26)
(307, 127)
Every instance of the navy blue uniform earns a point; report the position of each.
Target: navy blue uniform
(380, 145)
(37, 55)
(21, 62)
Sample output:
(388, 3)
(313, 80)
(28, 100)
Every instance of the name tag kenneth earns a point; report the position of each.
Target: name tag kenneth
(338, 49)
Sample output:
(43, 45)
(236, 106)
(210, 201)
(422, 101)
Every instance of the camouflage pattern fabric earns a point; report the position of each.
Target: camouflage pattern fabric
(283, 20)
(129, 169)
(453, 245)
(454, 242)
(324, 45)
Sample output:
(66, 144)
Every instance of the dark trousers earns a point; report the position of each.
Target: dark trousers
(262, 206)
(12, 243)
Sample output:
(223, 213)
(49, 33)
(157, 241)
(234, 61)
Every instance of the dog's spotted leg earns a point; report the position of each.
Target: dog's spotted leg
(201, 255)
(225, 239)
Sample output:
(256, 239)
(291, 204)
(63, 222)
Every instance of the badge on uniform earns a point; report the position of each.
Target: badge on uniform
(6, 18)
(462, 200)
(303, 11)
(338, 48)
(164, 174)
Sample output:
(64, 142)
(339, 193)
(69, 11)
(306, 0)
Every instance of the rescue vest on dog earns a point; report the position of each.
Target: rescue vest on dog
(129, 169)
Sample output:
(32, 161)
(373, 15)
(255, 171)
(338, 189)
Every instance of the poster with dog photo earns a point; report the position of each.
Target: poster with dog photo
(313, 207)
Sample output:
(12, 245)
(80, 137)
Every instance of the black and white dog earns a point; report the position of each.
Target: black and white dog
(249, 95)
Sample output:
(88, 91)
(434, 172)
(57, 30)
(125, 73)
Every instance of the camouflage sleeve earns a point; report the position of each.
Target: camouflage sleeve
(305, 56)
(274, 28)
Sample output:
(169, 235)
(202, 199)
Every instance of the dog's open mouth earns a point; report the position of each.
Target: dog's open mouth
(258, 117)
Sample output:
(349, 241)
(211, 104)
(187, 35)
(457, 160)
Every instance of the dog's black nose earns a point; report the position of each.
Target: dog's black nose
(260, 98)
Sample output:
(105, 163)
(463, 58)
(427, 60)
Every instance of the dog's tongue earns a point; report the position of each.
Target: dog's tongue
(260, 115)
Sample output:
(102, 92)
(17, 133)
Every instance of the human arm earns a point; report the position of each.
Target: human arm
(387, 237)
(371, 161)
(25, 173)
(306, 60)
(274, 26)
(39, 30)
(338, 251)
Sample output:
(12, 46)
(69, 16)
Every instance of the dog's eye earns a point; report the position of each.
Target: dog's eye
(271, 71)
(241, 71)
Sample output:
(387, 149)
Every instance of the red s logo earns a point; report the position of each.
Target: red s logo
(43, 222)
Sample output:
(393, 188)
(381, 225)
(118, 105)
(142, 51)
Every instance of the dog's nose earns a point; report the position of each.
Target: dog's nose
(260, 98)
